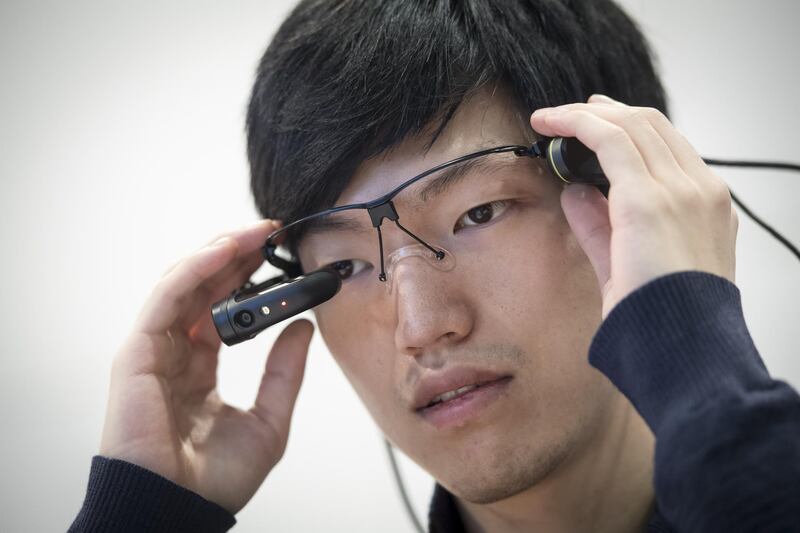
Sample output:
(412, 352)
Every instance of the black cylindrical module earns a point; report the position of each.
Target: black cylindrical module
(573, 162)
(247, 313)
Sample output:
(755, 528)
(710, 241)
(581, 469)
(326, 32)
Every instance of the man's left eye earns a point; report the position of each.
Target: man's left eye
(481, 214)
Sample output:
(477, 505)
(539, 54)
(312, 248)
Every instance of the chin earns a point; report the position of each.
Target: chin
(500, 473)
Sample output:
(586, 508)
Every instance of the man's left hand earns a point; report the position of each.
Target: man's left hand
(666, 210)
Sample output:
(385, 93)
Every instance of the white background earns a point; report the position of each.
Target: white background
(122, 149)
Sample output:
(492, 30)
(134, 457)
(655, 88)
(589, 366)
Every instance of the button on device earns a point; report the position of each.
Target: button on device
(265, 310)
(244, 319)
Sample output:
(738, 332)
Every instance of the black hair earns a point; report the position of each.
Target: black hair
(345, 80)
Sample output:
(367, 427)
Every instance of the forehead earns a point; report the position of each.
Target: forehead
(485, 120)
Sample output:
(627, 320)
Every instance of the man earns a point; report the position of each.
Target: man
(574, 363)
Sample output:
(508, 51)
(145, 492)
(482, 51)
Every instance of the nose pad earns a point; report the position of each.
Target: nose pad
(446, 263)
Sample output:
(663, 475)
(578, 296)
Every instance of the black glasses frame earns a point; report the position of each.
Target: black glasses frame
(383, 208)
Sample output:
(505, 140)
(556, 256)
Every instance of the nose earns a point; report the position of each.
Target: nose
(431, 308)
(443, 262)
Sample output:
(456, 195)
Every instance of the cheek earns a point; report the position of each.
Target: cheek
(547, 280)
(548, 299)
(568, 312)
(359, 348)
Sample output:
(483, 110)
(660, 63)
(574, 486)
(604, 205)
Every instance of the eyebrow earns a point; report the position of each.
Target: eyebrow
(451, 176)
(333, 223)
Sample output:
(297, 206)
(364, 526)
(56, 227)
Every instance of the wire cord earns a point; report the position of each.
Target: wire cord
(772, 231)
(412, 515)
(746, 210)
(752, 164)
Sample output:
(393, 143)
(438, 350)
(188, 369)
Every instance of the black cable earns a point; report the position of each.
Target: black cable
(772, 231)
(759, 164)
(752, 164)
(406, 501)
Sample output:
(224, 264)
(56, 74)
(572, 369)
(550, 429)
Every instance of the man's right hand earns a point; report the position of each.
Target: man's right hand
(164, 413)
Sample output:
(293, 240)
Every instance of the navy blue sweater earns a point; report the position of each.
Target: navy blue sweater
(727, 455)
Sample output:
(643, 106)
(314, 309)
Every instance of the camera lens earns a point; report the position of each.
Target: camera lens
(243, 319)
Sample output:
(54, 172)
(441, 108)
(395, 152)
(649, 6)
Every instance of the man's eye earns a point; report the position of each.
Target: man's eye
(481, 214)
(349, 267)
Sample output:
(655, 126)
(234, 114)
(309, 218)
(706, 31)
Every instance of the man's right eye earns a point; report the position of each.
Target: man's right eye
(349, 267)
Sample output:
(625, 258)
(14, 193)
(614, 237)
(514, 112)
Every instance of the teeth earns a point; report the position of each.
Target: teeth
(452, 394)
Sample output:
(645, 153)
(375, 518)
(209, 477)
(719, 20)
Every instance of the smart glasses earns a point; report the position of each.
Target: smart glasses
(455, 212)
(428, 210)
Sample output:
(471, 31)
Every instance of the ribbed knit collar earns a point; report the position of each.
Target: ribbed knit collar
(444, 517)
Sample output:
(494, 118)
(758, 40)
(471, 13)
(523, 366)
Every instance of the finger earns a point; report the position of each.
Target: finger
(248, 258)
(683, 151)
(249, 237)
(189, 283)
(190, 339)
(249, 250)
(282, 377)
(618, 156)
(657, 155)
(604, 99)
(586, 211)
(170, 297)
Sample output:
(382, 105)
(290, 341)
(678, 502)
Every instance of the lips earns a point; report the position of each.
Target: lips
(444, 386)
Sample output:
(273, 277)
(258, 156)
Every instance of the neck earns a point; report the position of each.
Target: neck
(605, 487)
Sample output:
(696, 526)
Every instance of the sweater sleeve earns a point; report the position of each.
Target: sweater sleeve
(727, 452)
(126, 498)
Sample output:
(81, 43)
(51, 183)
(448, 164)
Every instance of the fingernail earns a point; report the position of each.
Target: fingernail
(578, 190)
(542, 111)
(258, 225)
(603, 98)
(220, 242)
(552, 113)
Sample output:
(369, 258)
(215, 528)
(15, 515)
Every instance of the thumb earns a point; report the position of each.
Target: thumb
(586, 210)
(282, 377)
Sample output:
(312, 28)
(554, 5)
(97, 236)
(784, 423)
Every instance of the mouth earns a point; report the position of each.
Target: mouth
(454, 408)
(453, 394)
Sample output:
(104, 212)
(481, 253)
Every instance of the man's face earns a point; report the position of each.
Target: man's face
(519, 307)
